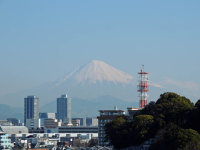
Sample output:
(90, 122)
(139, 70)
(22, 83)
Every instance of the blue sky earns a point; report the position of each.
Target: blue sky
(41, 41)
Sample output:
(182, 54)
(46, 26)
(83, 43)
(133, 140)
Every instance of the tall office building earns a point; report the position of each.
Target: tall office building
(31, 109)
(64, 109)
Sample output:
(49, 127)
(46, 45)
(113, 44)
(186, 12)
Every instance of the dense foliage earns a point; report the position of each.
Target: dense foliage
(176, 138)
(122, 133)
(173, 119)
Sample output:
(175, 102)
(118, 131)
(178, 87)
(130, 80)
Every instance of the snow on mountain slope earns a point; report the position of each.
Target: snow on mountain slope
(98, 71)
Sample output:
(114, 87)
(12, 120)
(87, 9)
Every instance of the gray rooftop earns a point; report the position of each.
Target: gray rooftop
(14, 129)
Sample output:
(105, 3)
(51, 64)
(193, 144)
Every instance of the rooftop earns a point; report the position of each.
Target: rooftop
(111, 111)
(14, 129)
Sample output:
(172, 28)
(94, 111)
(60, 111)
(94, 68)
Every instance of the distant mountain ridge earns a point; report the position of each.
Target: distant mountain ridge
(80, 107)
(84, 107)
(92, 87)
(7, 111)
(95, 86)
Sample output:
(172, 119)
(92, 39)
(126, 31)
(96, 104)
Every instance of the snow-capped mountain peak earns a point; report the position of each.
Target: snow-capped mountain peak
(98, 71)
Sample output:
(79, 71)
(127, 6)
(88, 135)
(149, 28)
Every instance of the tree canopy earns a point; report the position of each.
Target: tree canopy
(176, 138)
(172, 118)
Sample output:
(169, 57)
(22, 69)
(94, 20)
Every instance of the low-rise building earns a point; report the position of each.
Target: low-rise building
(37, 130)
(5, 142)
(88, 121)
(51, 125)
(131, 112)
(46, 115)
(14, 121)
(14, 129)
(78, 129)
(91, 121)
(33, 123)
(76, 122)
(5, 123)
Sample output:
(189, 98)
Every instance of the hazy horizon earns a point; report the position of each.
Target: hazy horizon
(43, 41)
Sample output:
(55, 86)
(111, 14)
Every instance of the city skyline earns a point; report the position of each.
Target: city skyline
(64, 66)
(42, 41)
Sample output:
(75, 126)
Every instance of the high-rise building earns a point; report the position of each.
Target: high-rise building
(31, 109)
(105, 117)
(64, 109)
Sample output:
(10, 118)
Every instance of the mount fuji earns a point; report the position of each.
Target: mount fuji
(97, 71)
(96, 79)
(93, 86)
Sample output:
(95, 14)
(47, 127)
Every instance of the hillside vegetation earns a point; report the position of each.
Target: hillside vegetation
(172, 120)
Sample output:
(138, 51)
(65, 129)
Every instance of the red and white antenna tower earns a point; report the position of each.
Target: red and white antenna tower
(143, 87)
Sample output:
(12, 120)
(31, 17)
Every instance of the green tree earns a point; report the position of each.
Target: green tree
(121, 133)
(117, 132)
(197, 105)
(176, 138)
(170, 107)
(143, 128)
(164, 119)
(193, 117)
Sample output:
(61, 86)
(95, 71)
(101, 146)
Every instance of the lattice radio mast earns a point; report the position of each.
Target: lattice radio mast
(143, 87)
